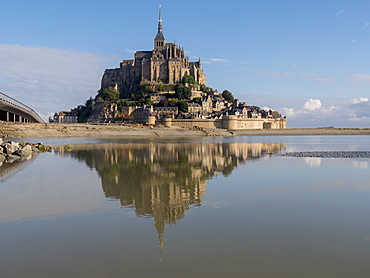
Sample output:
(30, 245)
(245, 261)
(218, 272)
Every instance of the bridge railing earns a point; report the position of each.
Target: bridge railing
(21, 106)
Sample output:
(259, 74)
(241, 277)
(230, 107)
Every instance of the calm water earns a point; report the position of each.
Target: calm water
(229, 207)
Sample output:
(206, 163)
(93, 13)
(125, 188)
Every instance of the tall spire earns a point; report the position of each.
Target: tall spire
(159, 40)
(160, 20)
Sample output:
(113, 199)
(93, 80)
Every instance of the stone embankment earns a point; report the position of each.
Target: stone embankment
(11, 151)
(330, 154)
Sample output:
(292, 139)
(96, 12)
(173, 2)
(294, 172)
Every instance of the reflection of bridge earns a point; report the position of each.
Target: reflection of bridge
(12, 110)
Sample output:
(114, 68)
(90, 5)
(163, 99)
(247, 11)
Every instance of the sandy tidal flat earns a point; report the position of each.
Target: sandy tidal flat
(32, 130)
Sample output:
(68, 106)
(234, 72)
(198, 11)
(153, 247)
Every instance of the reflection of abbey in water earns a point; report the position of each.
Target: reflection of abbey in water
(164, 180)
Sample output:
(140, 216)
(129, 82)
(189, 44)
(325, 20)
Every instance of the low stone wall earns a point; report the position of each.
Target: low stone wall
(228, 122)
(235, 123)
(189, 123)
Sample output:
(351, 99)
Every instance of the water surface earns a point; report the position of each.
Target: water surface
(229, 207)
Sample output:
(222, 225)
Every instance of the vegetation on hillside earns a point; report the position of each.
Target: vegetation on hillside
(179, 95)
(228, 96)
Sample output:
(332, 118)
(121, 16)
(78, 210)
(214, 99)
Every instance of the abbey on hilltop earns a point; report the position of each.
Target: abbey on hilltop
(162, 87)
(165, 64)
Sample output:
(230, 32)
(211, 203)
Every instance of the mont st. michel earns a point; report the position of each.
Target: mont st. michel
(162, 87)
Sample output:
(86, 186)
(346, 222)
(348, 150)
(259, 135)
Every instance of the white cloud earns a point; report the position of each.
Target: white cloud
(49, 80)
(317, 77)
(215, 60)
(313, 76)
(360, 77)
(131, 51)
(274, 73)
(359, 100)
(337, 112)
(342, 92)
(312, 104)
(290, 112)
(366, 24)
(329, 109)
(218, 60)
(340, 12)
(47, 115)
(359, 119)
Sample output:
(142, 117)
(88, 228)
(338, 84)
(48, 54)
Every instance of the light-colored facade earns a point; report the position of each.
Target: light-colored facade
(165, 64)
(64, 117)
(231, 122)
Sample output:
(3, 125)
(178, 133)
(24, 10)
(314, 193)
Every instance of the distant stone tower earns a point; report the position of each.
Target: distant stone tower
(159, 41)
(165, 64)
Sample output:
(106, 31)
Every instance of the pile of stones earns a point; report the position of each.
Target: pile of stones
(11, 151)
(330, 154)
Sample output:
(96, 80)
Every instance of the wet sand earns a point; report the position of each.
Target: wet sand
(31, 130)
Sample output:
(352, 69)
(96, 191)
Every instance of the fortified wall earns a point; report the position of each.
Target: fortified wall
(230, 122)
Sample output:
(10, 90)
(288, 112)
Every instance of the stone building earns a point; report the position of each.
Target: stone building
(64, 117)
(166, 111)
(166, 64)
(142, 115)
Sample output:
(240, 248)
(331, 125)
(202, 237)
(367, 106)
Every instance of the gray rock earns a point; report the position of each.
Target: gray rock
(26, 157)
(17, 153)
(2, 158)
(11, 158)
(26, 150)
(330, 154)
(11, 147)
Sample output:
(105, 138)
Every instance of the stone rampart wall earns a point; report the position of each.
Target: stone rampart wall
(228, 122)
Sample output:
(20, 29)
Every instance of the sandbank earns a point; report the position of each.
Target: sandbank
(48, 130)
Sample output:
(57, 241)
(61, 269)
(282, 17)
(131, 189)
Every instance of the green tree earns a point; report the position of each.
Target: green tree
(182, 92)
(228, 96)
(99, 99)
(172, 102)
(183, 106)
(148, 101)
(187, 93)
(188, 79)
(85, 111)
(122, 102)
(111, 94)
(197, 99)
(205, 89)
(178, 91)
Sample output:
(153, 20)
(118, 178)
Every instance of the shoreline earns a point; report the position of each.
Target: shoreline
(51, 130)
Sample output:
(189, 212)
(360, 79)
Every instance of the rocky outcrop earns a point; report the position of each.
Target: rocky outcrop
(11, 151)
(103, 112)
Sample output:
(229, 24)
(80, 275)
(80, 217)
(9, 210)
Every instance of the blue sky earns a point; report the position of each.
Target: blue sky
(308, 60)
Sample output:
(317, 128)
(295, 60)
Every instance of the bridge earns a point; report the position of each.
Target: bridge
(11, 110)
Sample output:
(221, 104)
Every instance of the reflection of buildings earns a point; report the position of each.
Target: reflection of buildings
(163, 180)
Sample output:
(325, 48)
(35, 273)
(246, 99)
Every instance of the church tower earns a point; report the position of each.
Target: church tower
(165, 64)
(159, 41)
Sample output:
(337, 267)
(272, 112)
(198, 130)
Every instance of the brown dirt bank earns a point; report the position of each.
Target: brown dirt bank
(23, 130)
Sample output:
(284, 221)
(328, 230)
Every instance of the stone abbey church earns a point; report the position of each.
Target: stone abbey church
(166, 64)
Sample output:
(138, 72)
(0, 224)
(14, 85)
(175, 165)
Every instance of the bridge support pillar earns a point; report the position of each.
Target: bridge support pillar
(7, 116)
